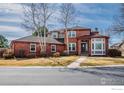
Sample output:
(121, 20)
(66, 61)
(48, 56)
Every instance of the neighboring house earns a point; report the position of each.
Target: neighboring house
(81, 41)
(119, 46)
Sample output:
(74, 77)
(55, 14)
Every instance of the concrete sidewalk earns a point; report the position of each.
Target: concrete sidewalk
(76, 64)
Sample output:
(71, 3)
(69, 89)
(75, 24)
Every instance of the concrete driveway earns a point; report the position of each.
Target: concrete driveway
(61, 76)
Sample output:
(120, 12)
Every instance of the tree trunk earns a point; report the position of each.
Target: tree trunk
(44, 38)
(67, 40)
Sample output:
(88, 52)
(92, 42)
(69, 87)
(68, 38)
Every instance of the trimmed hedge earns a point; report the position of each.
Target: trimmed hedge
(43, 54)
(64, 53)
(57, 54)
(31, 55)
(114, 52)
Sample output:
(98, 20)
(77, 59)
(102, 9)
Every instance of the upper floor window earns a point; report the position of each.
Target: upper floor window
(32, 47)
(61, 35)
(71, 33)
(54, 35)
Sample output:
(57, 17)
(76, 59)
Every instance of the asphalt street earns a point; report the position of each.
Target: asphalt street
(61, 76)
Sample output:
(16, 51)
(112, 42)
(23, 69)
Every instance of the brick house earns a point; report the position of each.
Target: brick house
(82, 41)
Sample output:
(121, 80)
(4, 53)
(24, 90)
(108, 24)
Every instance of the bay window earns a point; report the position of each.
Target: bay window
(98, 46)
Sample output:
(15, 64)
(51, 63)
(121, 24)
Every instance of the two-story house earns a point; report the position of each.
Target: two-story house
(80, 41)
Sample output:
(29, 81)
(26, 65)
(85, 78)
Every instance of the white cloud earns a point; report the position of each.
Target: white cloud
(11, 8)
(10, 28)
(16, 20)
(12, 32)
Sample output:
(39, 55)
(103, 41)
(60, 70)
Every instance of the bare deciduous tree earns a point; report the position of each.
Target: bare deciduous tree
(118, 25)
(66, 17)
(36, 16)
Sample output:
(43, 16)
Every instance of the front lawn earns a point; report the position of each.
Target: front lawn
(51, 61)
(102, 61)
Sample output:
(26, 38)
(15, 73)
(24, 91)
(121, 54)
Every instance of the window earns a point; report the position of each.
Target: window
(54, 35)
(53, 48)
(72, 34)
(32, 47)
(61, 35)
(98, 46)
(72, 46)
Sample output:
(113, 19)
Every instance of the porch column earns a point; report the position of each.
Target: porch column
(79, 47)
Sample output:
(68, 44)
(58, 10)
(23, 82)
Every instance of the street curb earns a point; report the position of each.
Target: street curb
(102, 66)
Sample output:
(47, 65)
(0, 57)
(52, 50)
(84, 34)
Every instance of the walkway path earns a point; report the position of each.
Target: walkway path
(76, 63)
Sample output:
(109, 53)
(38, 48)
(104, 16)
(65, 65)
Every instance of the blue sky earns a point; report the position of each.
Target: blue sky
(87, 15)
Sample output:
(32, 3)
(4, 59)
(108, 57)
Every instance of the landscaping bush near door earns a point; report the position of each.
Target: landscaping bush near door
(114, 53)
(31, 55)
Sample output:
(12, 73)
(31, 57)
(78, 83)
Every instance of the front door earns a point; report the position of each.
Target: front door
(84, 47)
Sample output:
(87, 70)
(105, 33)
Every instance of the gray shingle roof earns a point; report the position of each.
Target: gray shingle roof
(36, 39)
(78, 27)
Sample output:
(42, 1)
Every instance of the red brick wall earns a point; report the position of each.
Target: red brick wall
(59, 48)
(26, 46)
(82, 32)
(79, 32)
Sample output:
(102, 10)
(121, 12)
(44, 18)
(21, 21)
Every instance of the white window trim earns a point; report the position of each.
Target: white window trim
(71, 34)
(61, 35)
(30, 47)
(53, 46)
(103, 49)
(71, 47)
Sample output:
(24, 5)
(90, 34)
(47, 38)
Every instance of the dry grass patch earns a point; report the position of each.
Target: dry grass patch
(100, 61)
(60, 61)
